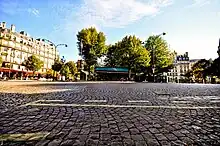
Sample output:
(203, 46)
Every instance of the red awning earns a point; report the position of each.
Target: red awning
(3, 69)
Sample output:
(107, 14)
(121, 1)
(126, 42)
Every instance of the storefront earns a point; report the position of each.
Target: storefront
(6, 72)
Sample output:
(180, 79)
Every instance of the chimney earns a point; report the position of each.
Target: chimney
(3, 24)
(12, 28)
(22, 32)
(187, 54)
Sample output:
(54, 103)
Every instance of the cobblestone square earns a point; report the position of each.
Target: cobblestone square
(111, 113)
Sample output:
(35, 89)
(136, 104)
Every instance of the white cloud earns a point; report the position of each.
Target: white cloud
(13, 7)
(118, 13)
(199, 3)
(34, 11)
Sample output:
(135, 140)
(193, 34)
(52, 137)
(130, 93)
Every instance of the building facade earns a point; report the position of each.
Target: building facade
(15, 47)
(182, 65)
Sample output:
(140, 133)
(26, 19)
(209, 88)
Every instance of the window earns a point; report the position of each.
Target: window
(7, 35)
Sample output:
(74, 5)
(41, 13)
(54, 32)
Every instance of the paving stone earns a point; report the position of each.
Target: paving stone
(102, 125)
(160, 137)
(171, 137)
(152, 142)
(55, 142)
(137, 137)
(67, 143)
(140, 143)
(91, 142)
(128, 142)
(116, 144)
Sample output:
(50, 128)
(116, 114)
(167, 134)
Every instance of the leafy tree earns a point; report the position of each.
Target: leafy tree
(1, 61)
(91, 45)
(128, 53)
(65, 71)
(189, 75)
(202, 69)
(215, 67)
(57, 65)
(33, 63)
(161, 57)
(49, 73)
(72, 67)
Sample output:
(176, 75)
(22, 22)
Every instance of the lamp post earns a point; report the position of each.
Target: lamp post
(153, 55)
(63, 60)
(55, 50)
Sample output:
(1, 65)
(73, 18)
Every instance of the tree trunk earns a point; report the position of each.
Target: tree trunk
(129, 74)
(89, 71)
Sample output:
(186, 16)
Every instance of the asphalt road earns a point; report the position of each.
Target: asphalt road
(111, 113)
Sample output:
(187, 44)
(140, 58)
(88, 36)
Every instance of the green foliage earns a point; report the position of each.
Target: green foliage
(65, 71)
(201, 69)
(1, 61)
(57, 65)
(33, 63)
(72, 67)
(49, 73)
(189, 74)
(91, 45)
(215, 67)
(218, 51)
(4, 54)
(161, 57)
(128, 53)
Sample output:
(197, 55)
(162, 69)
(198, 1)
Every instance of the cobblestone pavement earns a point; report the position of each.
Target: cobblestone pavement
(139, 114)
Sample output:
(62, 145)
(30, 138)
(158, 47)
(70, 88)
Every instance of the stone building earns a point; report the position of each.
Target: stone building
(182, 65)
(15, 47)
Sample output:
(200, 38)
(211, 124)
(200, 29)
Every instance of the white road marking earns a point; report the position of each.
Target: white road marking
(215, 101)
(138, 101)
(95, 100)
(181, 101)
(51, 100)
(125, 106)
(196, 127)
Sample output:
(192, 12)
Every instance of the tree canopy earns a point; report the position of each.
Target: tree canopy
(200, 70)
(33, 63)
(161, 56)
(216, 67)
(91, 45)
(57, 65)
(129, 52)
(65, 71)
(72, 67)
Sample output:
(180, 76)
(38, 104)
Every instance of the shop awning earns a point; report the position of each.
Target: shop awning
(112, 69)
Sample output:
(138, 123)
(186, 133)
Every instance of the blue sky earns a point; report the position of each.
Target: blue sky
(191, 25)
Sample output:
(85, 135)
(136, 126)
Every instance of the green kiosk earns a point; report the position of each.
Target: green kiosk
(111, 73)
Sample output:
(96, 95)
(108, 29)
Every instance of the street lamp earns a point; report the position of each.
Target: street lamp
(65, 45)
(63, 60)
(153, 52)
